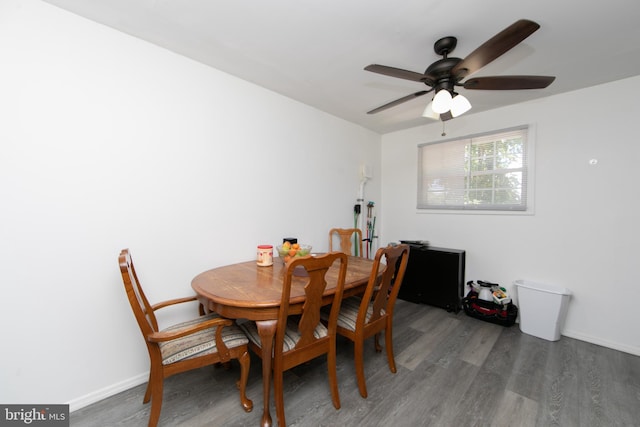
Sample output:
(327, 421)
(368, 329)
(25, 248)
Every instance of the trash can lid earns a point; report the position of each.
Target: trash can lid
(544, 287)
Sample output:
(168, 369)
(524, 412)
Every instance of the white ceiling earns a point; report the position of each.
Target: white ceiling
(315, 51)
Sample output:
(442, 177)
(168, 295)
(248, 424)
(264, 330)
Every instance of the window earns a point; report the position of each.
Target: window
(482, 172)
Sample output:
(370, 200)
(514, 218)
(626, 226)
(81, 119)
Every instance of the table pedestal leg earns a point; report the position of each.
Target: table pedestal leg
(266, 330)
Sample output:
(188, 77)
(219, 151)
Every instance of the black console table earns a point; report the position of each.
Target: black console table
(434, 276)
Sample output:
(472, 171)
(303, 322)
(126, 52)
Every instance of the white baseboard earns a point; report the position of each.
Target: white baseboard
(602, 342)
(598, 341)
(109, 391)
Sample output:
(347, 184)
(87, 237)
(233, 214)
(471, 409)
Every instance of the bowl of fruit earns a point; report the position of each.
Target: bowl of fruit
(288, 251)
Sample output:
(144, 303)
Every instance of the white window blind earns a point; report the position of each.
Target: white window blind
(483, 172)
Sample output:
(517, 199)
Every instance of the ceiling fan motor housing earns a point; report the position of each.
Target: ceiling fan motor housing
(439, 74)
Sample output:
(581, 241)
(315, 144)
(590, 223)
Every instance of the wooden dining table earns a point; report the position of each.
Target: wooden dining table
(248, 291)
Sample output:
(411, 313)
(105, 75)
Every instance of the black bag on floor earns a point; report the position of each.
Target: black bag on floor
(501, 314)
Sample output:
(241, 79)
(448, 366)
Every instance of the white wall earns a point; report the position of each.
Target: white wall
(108, 142)
(584, 233)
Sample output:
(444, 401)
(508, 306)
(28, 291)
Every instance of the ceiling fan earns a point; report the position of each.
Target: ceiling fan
(445, 74)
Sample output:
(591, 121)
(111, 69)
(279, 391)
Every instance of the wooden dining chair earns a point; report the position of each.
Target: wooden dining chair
(206, 340)
(300, 335)
(367, 315)
(350, 240)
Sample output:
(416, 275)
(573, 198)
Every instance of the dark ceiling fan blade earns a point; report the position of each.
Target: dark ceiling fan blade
(398, 101)
(395, 72)
(509, 82)
(494, 47)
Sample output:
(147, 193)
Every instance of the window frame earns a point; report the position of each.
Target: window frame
(527, 205)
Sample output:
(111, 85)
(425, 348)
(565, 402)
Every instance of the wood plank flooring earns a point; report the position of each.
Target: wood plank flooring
(453, 370)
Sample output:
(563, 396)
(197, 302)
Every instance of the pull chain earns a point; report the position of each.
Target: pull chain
(443, 132)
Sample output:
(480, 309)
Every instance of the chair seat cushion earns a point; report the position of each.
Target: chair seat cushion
(349, 313)
(199, 343)
(291, 335)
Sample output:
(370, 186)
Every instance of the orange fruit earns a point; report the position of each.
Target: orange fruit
(295, 246)
(292, 252)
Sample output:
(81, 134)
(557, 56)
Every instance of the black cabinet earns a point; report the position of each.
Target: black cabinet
(434, 276)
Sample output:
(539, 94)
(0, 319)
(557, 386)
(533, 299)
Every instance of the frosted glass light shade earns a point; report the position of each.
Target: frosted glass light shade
(442, 101)
(429, 113)
(459, 105)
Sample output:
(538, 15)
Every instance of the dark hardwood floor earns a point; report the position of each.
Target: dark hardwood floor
(453, 370)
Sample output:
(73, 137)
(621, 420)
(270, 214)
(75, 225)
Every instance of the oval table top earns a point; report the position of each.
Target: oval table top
(242, 290)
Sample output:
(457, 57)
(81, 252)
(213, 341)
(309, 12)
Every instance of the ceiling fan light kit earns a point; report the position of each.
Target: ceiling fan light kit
(442, 101)
(429, 113)
(459, 105)
(448, 108)
(443, 75)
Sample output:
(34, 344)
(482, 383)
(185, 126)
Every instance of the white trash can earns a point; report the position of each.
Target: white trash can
(542, 308)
